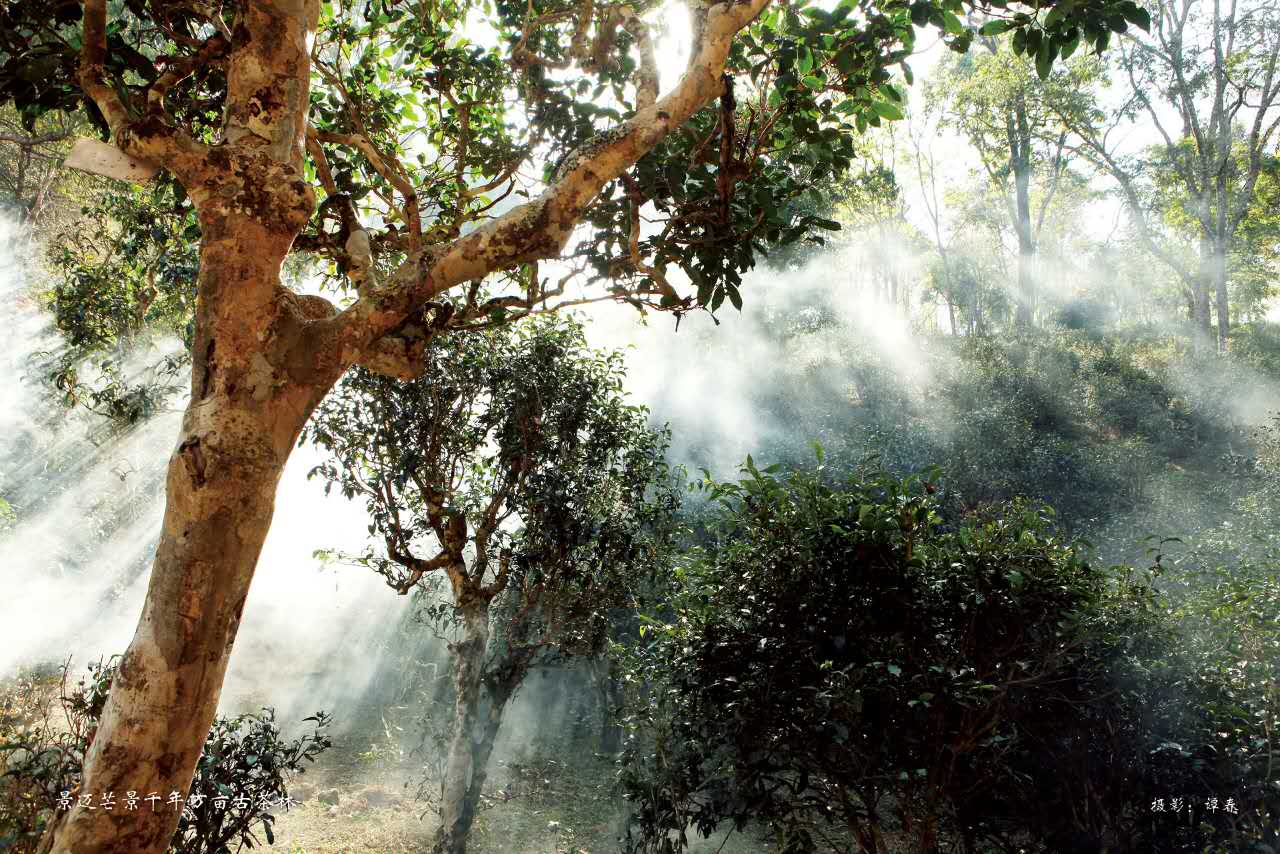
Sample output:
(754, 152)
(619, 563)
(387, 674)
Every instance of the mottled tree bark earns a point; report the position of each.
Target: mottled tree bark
(486, 735)
(248, 403)
(239, 427)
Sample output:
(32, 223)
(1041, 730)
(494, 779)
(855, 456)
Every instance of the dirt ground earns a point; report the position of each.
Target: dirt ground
(536, 806)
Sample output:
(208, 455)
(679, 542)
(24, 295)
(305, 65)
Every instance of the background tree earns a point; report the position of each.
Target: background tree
(873, 207)
(30, 162)
(996, 98)
(1208, 80)
(410, 137)
(519, 473)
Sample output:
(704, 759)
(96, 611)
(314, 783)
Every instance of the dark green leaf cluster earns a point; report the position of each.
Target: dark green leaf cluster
(843, 663)
(516, 455)
(243, 770)
(40, 52)
(457, 124)
(839, 646)
(125, 285)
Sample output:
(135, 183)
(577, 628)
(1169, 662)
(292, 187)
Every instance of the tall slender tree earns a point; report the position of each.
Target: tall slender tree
(997, 101)
(1207, 79)
(516, 471)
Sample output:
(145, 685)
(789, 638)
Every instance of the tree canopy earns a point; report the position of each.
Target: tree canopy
(419, 130)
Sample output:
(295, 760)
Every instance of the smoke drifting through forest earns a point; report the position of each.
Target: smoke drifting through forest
(803, 331)
(814, 352)
(712, 383)
(88, 503)
(766, 381)
(87, 507)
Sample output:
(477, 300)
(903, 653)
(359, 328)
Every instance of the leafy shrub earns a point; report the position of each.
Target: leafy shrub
(240, 779)
(1175, 700)
(1089, 316)
(1258, 344)
(839, 659)
(36, 757)
(842, 663)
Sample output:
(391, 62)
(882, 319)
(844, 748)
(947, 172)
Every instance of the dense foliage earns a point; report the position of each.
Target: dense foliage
(122, 298)
(519, 443)
(802, 82)
(845, 667)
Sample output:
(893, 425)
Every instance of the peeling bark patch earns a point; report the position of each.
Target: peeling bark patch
(219, 158)
(262, 377)
(265, 100)
(206, 382)
(167, 765)
(275, 32)
(130, 676)
(193, 458)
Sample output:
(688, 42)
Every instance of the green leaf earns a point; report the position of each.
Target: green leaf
(734, 297)
(805, 64)
(995, 28)
(886, 110)
(1044, 59)
(1136, 15)
(1070, 45)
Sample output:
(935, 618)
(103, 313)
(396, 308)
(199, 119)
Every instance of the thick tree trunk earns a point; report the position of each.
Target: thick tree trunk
(253, 385)
(1026, 251)
(240, 426)
(489, 725)
(460, 767)
(1026, 287)
(166, 690)
(1201, 312)
(1200, 319)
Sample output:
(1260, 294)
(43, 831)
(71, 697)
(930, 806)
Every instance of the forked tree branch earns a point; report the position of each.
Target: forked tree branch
(152, 140)
(540, 228)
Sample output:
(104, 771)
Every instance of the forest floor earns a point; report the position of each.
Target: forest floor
(535, 805)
